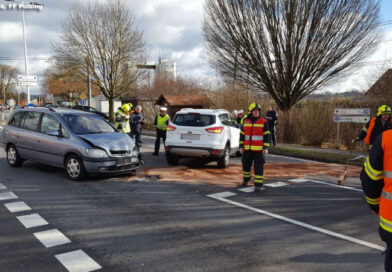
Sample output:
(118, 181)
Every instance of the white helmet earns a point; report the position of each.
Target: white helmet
(163, 108)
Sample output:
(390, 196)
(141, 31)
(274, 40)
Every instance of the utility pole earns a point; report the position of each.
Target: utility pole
(25, 6)
(88, 87)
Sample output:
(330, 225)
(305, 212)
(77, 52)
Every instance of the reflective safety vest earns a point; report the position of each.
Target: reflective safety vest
(122, 125)
(370, 130)
(162, 122)
(386, 194)
(254, 134)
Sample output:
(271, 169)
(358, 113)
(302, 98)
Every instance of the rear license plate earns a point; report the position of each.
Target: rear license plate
(190, 136)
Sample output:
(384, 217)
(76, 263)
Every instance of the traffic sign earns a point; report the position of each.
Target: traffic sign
(24, 80)
(351, 119)
(83, 97)
(339, 111)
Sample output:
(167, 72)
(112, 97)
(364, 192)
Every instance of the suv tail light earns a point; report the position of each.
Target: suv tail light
(216, 130)
(171, 128)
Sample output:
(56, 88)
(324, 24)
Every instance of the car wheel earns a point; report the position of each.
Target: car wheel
(172, 159)
(13, 158)
(74, 167)
(223, 162)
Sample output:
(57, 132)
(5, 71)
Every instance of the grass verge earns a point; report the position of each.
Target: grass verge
(321, 156)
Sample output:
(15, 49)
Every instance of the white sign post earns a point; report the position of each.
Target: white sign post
(27, 80)
(342, 115)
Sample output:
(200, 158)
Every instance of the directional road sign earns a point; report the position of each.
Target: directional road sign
(339, 111)
(24, 80)
(351, 119)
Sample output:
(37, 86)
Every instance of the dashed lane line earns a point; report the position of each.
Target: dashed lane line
(51, 238)
(276, 184)
(19, 206)
(77, 261)
(222, 197)
(74, 261)
(32, 220)
(7, 196)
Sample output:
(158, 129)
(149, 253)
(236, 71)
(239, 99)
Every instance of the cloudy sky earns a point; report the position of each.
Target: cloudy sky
(172, 29)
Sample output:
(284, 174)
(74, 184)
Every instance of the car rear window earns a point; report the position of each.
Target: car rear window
(31, 120)
(194, 120)
(15, 121)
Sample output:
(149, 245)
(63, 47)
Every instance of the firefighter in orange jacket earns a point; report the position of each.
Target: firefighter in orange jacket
(254, 143)
(376, 178)
(375, 126)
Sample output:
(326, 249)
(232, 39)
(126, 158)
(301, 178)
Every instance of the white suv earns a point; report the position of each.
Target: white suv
(202, 133)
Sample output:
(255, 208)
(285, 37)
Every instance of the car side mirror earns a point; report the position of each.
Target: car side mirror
(53, 133)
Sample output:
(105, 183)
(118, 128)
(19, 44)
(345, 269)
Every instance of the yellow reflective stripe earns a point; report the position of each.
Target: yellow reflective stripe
(267, 132)
(247, 147)
(386, 224)
(241, 142)
(243, 133)
(259, 177)
(260, 181)
(246, 172)
(266, 144)
(372, 201)
(247, 125)
(258, 125)
(372, 173)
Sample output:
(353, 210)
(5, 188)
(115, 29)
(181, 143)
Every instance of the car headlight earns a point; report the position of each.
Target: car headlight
(96, 153)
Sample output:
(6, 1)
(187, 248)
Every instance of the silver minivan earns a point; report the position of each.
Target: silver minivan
(81, 142)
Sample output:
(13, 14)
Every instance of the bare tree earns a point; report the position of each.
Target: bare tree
(8, 75)
(102, 39)
(289, 48)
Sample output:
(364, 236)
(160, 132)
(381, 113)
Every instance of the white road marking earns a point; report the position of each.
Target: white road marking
(7, 195)
(77, 261)
(276, 184)
(335, 185)
(298, 223)
(298, 180)
(223, 194)
(3, 187)
(51, 238)
(32, 220)
(249, 189)
(293, 158)
(15, 207)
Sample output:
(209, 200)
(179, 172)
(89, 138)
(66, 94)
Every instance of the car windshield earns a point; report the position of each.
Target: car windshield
(87, 124)
(194, 120)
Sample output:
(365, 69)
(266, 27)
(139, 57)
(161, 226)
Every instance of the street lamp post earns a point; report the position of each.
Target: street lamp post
(27, 6)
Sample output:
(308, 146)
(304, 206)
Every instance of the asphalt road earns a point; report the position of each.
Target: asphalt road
(110, 224)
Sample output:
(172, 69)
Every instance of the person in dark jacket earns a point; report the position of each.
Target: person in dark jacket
(136, 121)
(272, 119)
(376, 179)
(376, 126)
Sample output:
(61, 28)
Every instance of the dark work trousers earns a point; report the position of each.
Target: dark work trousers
(160, 134)
(256, 157)
(273, 135)
(135, 136)
(388, 258)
